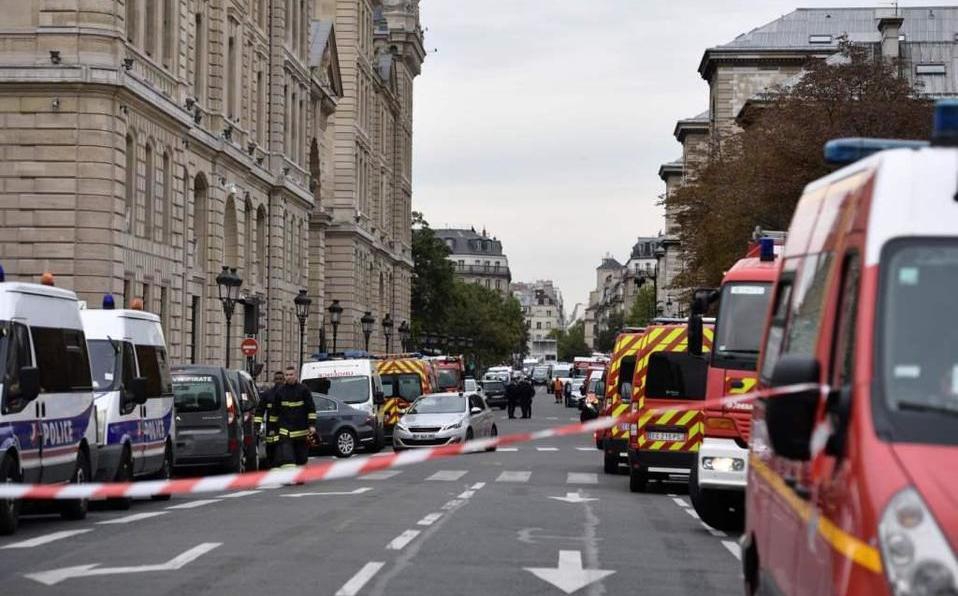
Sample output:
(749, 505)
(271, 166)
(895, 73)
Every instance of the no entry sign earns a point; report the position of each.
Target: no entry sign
(249, 347)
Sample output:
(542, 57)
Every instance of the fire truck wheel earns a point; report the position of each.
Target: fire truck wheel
(638, 480)
(611, 463)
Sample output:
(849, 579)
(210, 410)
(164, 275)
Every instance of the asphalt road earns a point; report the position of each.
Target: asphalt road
(478, 524)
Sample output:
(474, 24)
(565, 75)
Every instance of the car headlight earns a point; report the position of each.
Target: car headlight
(453, 426)
(402, 426)
(917, 558)
(723, 464)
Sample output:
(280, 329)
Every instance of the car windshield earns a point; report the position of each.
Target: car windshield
(919, 362)
(494, 387)
(439, 404)
(406, 386)
(540, 373)
(349, 389)
(741, 320)
(448, 377)
(104, 364)
(195, 393)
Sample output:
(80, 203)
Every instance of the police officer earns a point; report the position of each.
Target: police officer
(512, 395)
(296, 420)
(266, 412)
(526, 393)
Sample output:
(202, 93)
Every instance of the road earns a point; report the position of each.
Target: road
(479, 524)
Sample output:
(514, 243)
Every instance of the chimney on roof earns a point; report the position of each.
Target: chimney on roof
(890, 28)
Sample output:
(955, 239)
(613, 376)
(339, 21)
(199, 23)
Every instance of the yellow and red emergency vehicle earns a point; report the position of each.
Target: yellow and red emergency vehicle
(450, 372)
(405, 377)
(618, 397)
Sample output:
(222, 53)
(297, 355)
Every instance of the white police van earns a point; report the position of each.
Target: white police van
(47, 421)
(352, 379)
(133, 390)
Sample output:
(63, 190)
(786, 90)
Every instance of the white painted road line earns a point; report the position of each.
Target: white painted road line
(382, 475)
(358, 491)
(429, 519)
(362, 577)
(713, 531)
(680, 502)
(194, 504)
(466, 494)
(547, 449)
(507, 449)
(692, 513)
(582, 478)
(448, 475)
(46, 539)
(237, 495)
(132, 518)
(402, 540)
(477, 485)
(514, 477)
(552, 417)
(452, 504)
(586, 449)
(733, 548)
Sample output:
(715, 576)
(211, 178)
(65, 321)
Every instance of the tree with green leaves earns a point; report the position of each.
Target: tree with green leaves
(433, 278)
(643, 308)
(494, 321)
(571, 342)
(605, 338)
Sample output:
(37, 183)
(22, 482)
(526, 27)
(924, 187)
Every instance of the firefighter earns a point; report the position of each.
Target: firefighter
(512, 395)
(265, 417)
(557, 389)
(526, 393)
(296, 420)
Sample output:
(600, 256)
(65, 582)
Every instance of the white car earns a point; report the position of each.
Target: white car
(444, 419)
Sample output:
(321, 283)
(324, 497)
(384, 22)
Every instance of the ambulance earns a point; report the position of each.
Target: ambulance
(353, 380)
(404, 377)
(133, 390)
(852, 486)
(617, 398)
(47, 421)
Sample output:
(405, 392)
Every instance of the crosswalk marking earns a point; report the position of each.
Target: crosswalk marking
(382, 475)
(402, 540)
(508, 476)
(46, 539)
(132, 518)
(429, 519)
(582, 478)
(448, 475)
(194, 504)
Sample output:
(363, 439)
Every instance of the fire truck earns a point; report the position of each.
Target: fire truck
(450, 371)
(618, 397)
(404, 377)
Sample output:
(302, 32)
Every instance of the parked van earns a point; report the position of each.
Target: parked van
(134, 395)
(852, 488)
(209, 421)
(254, 449)
(47, 421)
(354, 382)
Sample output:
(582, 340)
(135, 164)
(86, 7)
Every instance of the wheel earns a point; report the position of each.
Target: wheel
(611, 463)
(638, 480)
(237, 463)
(378, 443)
(469, 434)
(9, 508)
(598, 443)
(124, 473)
(76, 509)
(165, 473)
(492, 435)
(345, 443)
(252, 458)
(723, 510)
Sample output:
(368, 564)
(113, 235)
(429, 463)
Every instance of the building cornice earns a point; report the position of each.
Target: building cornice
(757, 56)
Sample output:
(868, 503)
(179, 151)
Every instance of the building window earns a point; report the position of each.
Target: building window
(260, 109)
(261, 243)
(199, 58)
(930, 69)
(151, 23)
(200, 219)
(149, 206)
(538, 324)
(130, 182)
(248, 238)
(819, 39)
(168, 33)
(230, 80)
(166, 207)
(131, 20)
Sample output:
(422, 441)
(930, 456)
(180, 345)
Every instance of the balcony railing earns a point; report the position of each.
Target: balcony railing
(482, 270)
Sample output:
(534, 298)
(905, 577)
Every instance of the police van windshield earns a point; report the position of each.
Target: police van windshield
(352, 390)
(196, 393)
(740, 322)
(105, 357)
(406, 386)
(439, 404)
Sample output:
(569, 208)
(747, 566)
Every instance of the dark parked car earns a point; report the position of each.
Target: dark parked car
(254, 451)
(209, 421)
(495, 394)
(343, 428)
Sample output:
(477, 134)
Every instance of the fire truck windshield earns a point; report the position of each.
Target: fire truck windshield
(738, 330)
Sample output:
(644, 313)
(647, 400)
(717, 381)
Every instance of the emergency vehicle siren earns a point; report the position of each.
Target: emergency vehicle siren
(3, 274)
(108, 302)
(766, 249)
(944, 131)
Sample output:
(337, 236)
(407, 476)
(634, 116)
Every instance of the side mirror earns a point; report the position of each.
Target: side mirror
(790, 418)
(29, 383)
(695, 335)
(702, 298)
(379, 398)
(475, 411)
(137, 390)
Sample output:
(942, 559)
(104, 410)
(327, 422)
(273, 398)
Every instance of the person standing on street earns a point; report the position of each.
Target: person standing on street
(296, 414)
(526, 393)
(557, 389)
(265, 417)
(512, 396)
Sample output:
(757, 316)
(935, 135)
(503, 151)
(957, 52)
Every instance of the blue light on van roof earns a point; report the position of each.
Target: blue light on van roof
(3, 274)
(944, 131)
(850, 150)
(108, 302)
(766, 248)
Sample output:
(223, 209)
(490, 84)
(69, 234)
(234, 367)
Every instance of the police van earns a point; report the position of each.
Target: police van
(133, 390)
(47, 421)
(353, 381)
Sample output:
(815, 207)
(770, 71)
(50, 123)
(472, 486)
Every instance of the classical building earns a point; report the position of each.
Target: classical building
(148, 144)
(542, 308)
(368, 239)
(478, 258)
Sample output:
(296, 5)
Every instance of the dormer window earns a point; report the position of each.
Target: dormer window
(819, 39)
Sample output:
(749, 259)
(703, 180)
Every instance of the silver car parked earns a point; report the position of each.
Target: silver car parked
(444, 418)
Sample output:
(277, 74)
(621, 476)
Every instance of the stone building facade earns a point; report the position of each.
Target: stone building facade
(543, 311)
(368, 238)
(477, 257)
(146, 144)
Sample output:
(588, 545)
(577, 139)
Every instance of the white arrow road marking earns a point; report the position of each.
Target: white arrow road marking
(55, 576)
(46, 539)
(569, 576)
(402, 540)
(132, 518)
(358, 491)
(574, 498)
(356, 582)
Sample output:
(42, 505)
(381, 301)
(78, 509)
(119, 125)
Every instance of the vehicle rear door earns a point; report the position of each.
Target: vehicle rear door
(201, 420)
(157, 413)
(327, 418)
(22, 416)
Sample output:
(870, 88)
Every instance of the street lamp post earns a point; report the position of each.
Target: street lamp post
(388, 332)
(335, 315)
(302, 302)
(659, 255)
(367, 322)
(404, 333)
(228, 283)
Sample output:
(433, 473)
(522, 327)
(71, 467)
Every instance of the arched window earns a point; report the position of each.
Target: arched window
(130, 204)
(131, 20)
(230, 240)
(166, 204)
(201, 220)
(261, 243)
(149, 206)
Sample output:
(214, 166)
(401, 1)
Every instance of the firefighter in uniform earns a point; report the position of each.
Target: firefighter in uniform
(265, 412)
(296, 414)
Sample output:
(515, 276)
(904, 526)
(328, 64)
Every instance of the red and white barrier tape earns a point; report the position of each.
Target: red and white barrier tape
(359, 466)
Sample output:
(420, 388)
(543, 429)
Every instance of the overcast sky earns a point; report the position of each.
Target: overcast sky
(546, 120)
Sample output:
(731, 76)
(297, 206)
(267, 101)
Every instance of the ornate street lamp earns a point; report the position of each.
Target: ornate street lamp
(388, 331)
(404, 334)
(228, 283)
(335, 315)
(302, 302)
(367, 322)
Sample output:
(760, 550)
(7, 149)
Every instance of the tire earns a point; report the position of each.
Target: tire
(638, 480)
(610, 463)
(723, 510)
(9, 508)
(165, 473)
(345, 442)
(378, 443)
(124, 473)
(598, 443)
(237, 463)
(252, 458)
(492, 435)
(469, 435)
(77, 509)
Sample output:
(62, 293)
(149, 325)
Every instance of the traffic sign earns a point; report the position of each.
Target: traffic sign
(249, 347)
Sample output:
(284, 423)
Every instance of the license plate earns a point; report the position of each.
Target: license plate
(660, 436)
(422, 436)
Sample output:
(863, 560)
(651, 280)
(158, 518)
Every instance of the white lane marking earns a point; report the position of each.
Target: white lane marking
(132, 518)
(680, 502)
(582, 478)
(568, 575)
(692, 513)
(237, 495)
(713, 531)
(671, 496)
(514, 477)
(46, 539)
(270, 486)
(448, 475)
(477, 485)
(429, 519)
(382, 475)
(547, 449)
(575, 497)
(452, 504)
(507, 449)
(733, 548)
(194, 504)
(552, 417)
(466, 494)
(358, 491)
(586, 449)
(382, 454)
(402, 540)
(362, 577)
